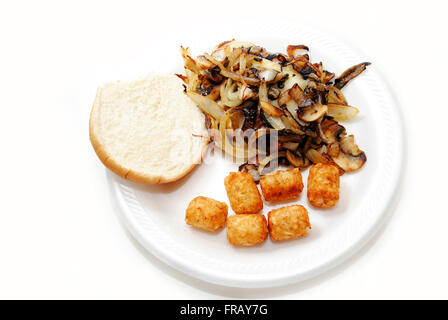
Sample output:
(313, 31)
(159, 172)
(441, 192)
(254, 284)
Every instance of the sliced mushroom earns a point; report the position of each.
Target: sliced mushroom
(316, 157)
(298, 161)
(291, 123)
(331, 130)
(350, 74)
(290, 115)
(242, 86)
(298, 95)
(349, 163)
(333, 149)
(291, 107)
(316, 111)
(351, 158)
(349, 147)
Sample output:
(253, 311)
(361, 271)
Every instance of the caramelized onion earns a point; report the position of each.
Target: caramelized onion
(241, 86)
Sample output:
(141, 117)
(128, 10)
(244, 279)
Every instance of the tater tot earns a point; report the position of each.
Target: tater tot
(246, 229)
(206, 213)
(323, 185)
(243, 193)
(281, 185)
(288, 223)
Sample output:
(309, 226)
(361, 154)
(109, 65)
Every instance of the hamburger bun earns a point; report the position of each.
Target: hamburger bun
(147, 130)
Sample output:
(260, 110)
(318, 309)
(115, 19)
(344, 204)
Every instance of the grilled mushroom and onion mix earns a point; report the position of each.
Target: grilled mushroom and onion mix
(242, 86)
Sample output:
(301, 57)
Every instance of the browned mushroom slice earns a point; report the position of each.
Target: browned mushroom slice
(349, 163)
(348, 146)
(333, 149)
(316, 157)
(296, 93)
(316, 111)
(290, 107)
(350, 74)
(351, 158)
(291, 122)
(298, 161)
(331, 130)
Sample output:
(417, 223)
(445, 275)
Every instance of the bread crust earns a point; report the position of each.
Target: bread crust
(120, 169)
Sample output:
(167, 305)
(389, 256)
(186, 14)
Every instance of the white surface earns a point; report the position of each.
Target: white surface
(155, 214)
(59, 234)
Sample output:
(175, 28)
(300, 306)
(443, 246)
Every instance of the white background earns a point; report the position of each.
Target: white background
(60, 236)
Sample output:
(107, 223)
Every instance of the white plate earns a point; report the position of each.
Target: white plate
(155, 214)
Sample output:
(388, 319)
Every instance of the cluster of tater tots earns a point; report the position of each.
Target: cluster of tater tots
(248, 226)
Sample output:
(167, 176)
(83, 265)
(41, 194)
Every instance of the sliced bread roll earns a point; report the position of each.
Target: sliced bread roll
(147, 130)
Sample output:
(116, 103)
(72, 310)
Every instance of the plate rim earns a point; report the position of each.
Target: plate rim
(243, 281)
